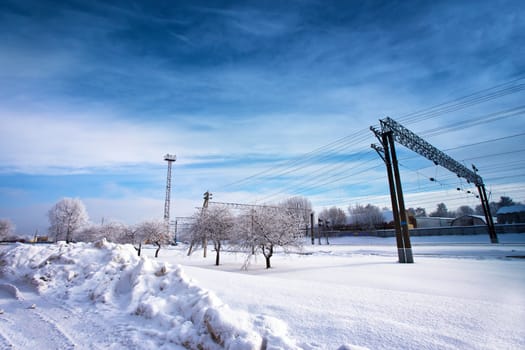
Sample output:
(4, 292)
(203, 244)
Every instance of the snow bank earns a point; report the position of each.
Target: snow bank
(114, 279)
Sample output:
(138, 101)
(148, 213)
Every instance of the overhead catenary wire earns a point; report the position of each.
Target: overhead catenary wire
(448, 182)
(318, 168)
(335, 145)
(319, 183)
(477, 144)
(497, 91)
(358, 159)
(424, 198)
(475, 121)
(515, 165)
(351, 174)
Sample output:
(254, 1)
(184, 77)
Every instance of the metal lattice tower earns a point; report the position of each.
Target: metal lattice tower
(170, 158)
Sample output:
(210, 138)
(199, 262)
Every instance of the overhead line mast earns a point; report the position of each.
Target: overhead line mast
(393, 131)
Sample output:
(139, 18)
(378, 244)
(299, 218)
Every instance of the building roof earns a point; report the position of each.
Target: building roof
(511, 209)
(479, 217)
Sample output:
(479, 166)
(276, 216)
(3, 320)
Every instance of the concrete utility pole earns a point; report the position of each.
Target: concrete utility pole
(170, 158)
(207, 197)
(320, 224)
(312, 227)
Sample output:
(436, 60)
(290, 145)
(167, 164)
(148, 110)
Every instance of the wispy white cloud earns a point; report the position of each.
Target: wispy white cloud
(66, 139)
(41, 143)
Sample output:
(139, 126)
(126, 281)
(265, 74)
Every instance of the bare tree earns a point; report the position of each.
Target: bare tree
(6, 229)
(441, 211)
(420, 212)
(154, 231)
(504, 201)
(478, 210)
(336, 216)
(66, 217)
(464, 210)
(368, 217)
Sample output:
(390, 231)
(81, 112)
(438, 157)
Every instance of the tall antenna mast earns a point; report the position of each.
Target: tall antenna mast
(170, 158)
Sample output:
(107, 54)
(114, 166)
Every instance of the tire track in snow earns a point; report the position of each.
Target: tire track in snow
(5, 343)
(67, 342)
(82, 323)
(24, 326)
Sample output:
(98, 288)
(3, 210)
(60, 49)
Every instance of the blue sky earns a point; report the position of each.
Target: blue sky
(92, 95)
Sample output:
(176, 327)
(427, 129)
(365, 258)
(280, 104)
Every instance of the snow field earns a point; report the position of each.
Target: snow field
(351, 294)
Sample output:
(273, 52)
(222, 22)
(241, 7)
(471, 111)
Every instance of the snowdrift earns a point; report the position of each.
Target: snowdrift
(114, 278)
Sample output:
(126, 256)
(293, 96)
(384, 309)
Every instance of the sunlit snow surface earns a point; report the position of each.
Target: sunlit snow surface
(461, 293)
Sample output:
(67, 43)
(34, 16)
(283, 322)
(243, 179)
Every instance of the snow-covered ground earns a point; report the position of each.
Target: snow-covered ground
(461, 293)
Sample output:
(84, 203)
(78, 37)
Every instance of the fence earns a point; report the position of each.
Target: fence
(438, 231)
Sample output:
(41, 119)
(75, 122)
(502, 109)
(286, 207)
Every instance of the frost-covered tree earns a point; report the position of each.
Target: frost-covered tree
(302, 207)
(154, 231)
(66, 217)
(367, 217)
(89, 233)
(134, 236)
(111, 231)
(6, 229)
(244, 234)
(222, 228)
(215, 223)
(272, 228)
(336, 216)
(197, 231)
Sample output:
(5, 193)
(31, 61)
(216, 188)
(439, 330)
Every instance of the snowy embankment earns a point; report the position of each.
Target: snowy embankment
(153, 303)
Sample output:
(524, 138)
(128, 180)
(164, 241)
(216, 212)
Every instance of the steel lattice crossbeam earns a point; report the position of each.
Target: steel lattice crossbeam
(410, 140)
